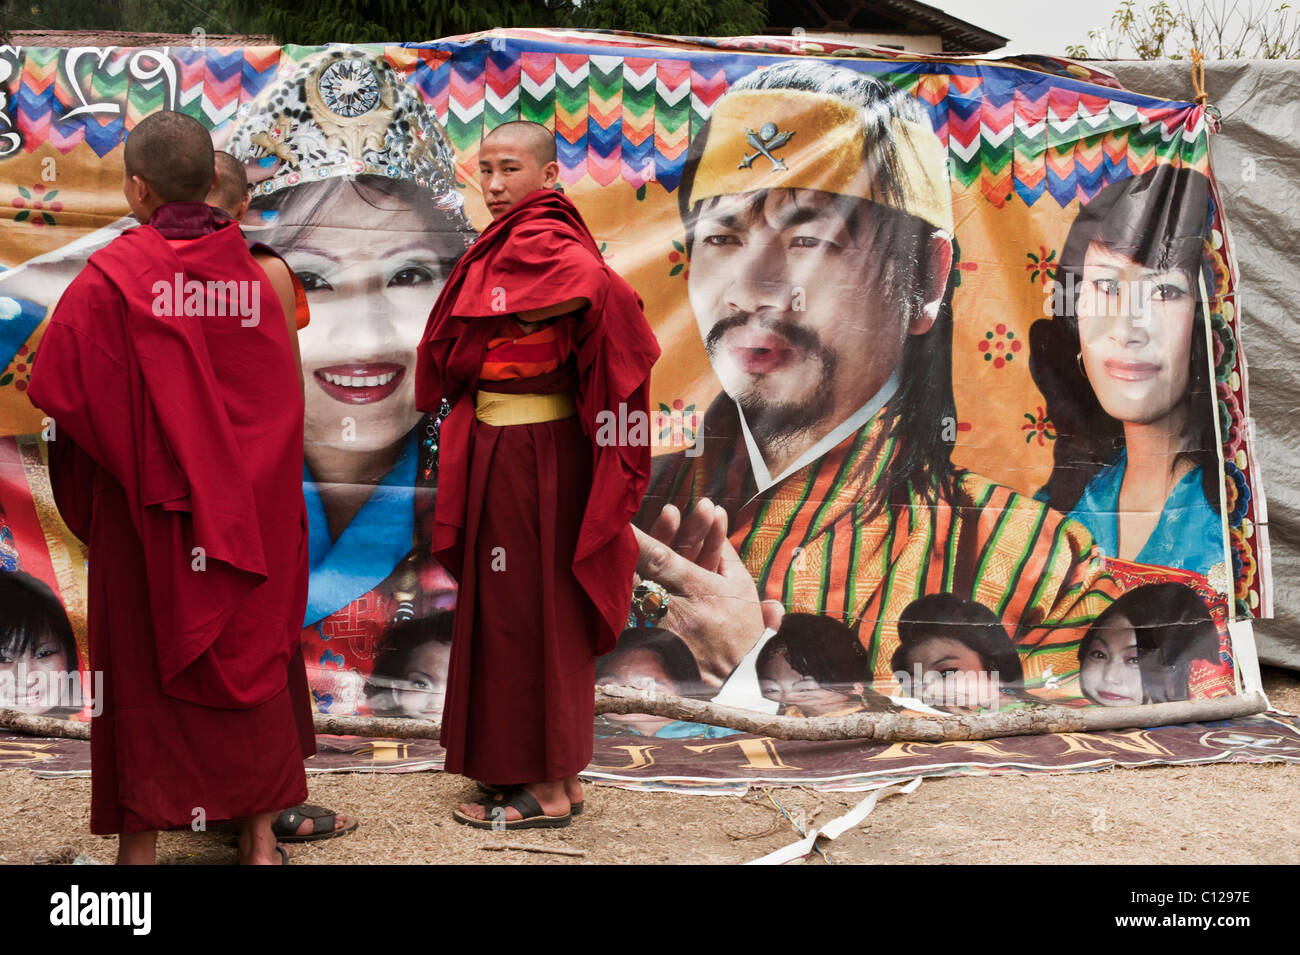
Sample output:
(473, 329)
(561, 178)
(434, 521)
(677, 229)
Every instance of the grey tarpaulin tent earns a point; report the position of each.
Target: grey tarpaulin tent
(1257, 163)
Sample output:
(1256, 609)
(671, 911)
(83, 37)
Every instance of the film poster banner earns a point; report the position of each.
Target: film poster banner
(951, 344)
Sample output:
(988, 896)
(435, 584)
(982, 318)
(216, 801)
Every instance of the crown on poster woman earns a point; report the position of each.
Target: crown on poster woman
(343, 112)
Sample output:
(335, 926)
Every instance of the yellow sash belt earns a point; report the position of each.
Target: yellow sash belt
(502, 410)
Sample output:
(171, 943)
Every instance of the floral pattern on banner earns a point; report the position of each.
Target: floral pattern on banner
(1238, 494)
(1243, 571)
(35, 205)
(1040, 427)
(1231, 421)
(19, 372)
(1225, 347)
(1000, 345)
(1042, 267)
(680, 263)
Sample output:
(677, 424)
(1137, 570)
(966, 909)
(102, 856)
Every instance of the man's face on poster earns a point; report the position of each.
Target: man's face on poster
(797, 306)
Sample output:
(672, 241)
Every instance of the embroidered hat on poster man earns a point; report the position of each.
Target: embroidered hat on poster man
(796, 139)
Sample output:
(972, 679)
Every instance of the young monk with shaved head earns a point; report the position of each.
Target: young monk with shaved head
(230, 196)
(532, 338)
(230, 192)
(176, 452)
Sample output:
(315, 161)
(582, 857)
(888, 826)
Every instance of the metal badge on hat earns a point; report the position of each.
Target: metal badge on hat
(765, 141)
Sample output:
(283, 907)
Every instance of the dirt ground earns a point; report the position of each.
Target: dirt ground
(1214, 814)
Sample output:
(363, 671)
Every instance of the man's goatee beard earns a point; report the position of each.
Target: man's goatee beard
(776, 424)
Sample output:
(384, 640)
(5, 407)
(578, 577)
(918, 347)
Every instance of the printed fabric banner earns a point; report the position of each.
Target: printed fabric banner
(951, 414)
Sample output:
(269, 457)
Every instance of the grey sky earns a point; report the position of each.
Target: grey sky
(1034, 26)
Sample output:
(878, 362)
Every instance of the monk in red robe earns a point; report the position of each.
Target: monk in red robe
(176, 452)
(230, 195)
(533, 342)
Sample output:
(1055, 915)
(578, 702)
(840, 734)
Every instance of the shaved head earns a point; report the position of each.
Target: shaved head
(514, 161)
(173, 154)
(534, 137)
(232, 185)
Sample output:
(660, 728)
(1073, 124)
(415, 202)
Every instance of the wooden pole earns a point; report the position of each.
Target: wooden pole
(877, 727)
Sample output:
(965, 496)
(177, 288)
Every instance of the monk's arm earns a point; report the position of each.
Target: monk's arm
(282, 282)
(532, 316)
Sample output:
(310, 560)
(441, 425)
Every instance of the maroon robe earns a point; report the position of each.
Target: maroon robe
(177, 457)
(534, 520)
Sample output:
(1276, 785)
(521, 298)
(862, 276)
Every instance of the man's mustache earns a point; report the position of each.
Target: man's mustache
(796, 334)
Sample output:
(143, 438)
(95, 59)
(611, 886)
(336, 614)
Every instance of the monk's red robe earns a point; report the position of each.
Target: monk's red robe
(534, 520)
(176, 455)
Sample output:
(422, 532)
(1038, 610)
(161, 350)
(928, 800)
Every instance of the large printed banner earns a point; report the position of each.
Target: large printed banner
(951, 345)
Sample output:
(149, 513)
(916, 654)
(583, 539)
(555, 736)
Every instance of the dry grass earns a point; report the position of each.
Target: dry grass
(1238, 813)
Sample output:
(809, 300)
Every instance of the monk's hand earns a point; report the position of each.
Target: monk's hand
(716, 612)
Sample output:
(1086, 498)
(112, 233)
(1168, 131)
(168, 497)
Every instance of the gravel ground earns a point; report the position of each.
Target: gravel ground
(1214, 814)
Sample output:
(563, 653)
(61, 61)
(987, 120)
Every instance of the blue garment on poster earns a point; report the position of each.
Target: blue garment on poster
(680, 729)
(18, 319)
(1188, 536)
(375, 542)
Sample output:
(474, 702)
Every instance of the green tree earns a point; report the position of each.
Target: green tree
(372, 21)
(132, 16)
(313, 22)
(674, 17)
(368, 21)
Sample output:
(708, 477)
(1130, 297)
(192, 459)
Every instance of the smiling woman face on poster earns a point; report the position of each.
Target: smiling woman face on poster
(371, 257)
(354, 185)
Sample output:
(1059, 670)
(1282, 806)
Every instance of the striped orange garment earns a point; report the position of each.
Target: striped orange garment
(810, 543)
(515, 355)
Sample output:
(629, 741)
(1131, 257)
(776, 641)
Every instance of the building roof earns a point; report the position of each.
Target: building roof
(883, 16)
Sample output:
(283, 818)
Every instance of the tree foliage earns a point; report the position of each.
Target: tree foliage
(131, 16)
(372, 21)
(362, 21)
(1220, 29)
(313, 22)
(674, 17)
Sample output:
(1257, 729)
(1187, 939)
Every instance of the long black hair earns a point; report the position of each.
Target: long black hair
(919, 413)
(1173, 627)
(1159, 220)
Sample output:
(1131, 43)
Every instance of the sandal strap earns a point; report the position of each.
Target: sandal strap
(526, 804)
(293, 817)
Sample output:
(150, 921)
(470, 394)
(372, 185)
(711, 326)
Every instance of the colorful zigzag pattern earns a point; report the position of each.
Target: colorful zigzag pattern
(622, 117)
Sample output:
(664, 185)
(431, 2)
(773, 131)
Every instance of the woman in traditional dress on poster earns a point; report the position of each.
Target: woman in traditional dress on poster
(354, 184)
(1124, 368)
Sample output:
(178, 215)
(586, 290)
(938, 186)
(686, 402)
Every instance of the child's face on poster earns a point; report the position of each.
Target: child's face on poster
(423, 688)
(1109, 673)
(28, 680)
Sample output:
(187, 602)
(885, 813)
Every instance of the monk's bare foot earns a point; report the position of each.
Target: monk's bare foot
(573, 789)
(137, 848)
(550, 796)
(257, 843)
